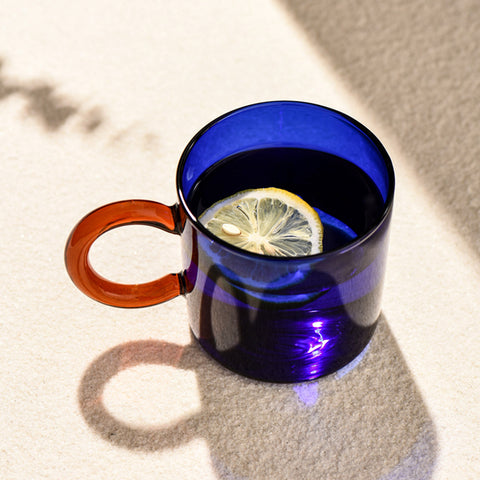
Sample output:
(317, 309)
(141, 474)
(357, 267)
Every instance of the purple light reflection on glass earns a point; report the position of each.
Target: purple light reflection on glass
(317, 346)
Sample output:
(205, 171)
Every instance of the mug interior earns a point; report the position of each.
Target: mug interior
(284, 124)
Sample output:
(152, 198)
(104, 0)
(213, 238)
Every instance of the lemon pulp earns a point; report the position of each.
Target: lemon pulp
(269, 221)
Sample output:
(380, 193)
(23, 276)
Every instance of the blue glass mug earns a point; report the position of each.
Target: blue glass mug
(277, 319)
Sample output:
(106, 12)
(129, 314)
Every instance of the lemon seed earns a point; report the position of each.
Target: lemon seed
(230, 229)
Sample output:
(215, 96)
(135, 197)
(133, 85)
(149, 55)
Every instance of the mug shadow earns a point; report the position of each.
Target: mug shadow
(366, 421)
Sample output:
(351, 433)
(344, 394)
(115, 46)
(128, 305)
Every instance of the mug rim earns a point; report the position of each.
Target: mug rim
(323, 255)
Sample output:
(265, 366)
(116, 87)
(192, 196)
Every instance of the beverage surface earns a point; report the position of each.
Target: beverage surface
(345, 198)
(268, 221)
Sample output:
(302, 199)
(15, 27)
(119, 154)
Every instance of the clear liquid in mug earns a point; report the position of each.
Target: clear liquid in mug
(345, 197)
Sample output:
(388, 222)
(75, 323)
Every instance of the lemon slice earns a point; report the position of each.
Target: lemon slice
(269, 221)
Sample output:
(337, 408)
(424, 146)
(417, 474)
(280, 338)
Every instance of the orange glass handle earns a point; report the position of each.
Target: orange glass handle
(103, 219)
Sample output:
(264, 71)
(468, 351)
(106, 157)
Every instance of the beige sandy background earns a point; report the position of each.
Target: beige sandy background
(97, 100)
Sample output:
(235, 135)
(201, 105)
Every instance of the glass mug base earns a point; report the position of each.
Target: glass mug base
(309, 363)
(277, 319)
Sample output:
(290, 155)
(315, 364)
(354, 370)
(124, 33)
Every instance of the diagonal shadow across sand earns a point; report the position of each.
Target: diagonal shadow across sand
(416, 65)
(366, 421)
